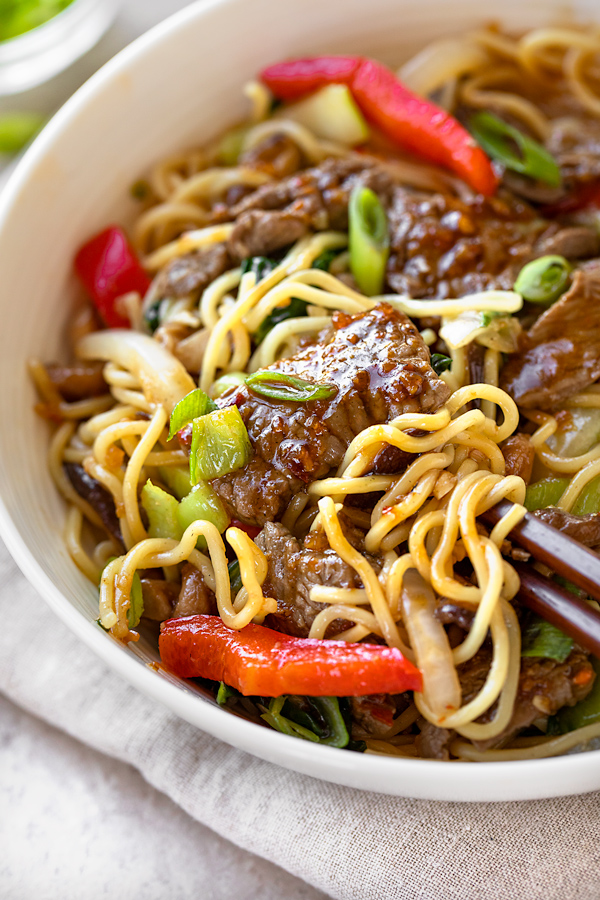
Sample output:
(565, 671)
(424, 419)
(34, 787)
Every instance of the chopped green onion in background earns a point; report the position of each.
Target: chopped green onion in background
(279, 386)
(18, 128)
(169, 517)
(136, 602)
(543, 280)
(369, 242)
(548, 492)
(194, 404)
(513, 149)
(19, 16)
(220, 444)
(225, 693)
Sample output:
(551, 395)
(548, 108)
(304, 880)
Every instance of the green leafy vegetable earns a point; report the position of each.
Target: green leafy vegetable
(486, 318)
(513, 149)
(225, 693)
(440, 363)
(324, 259)
(543, 280)
(194, 404)
(235, 578)
(541, 638)
(369, 241)
(295, 309)
(316, 719)
(279, 386)
(220, 444)
(152, 316)
(20, 16)
(17, 129)
(586, 712)
(261, 266)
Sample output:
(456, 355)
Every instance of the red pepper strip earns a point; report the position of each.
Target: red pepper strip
(411, 121)
(586, 195)
(260, 662)
(251, 530)
(108, 268)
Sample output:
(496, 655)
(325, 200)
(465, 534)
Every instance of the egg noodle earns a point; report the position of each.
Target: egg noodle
(426, 519)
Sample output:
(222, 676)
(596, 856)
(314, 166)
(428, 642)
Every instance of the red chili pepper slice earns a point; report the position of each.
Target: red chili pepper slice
(412, 122)
(258, 661)
(108, 267)
(251, 530)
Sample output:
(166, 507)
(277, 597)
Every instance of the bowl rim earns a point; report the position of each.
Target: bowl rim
(427, 779)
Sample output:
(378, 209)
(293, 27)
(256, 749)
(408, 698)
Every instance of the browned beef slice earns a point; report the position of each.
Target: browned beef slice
(277, 155)
(519, 454)
(585, 529)
(78, 380)
(445, 247)
(560, 354)
(575, 242)
(575, 144)
(293, 571)
(159, 597)
(380, 366)
(545, 686)
(195, 598)
(193, 272)
(97, 496)
(373, 715)
(433, 742)
(278, 213)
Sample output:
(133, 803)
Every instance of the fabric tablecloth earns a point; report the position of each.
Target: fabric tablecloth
(351, 844)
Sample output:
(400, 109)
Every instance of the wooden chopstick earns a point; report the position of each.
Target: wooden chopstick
(566, 557)
(565, 610)
(559, 552)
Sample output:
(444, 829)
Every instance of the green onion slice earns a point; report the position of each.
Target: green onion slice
(543, 280)
(225, 693)
(194, 404)
(369, 241)
(220, 444)
(440, 363)
(513, 149)
(136, 602)
(279, 386)
(541, 638)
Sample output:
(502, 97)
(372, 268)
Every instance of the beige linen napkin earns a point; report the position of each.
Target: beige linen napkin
(351, 844)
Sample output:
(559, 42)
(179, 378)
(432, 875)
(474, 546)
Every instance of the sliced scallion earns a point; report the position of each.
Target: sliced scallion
(136, 602)
(543, 280)
(513, 149)
(279, 386)
(194, 404)
(220, 444)
(227, 382)
(368, 242)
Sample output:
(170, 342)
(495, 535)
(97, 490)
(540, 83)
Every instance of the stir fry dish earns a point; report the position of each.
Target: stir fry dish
(333, 339)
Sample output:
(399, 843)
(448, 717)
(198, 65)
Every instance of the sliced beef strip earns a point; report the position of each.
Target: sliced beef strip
(545, 686)
(195, 598)
(373, 715)
(585, 529)
(193, 272)
(445, 247)
(293, 571)
(98, 497)
(519, 455)
(159, 598)
(78, 380)
(433, 742)
(380, 366)
(560, 354)
(277, 155)
(280, 212)
(575, 145)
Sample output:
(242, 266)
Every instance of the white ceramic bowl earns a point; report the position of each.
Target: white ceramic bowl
(177, 85)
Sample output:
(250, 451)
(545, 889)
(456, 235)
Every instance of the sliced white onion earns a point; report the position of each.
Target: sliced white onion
(441, 687)
(163, 378)
(439, 63)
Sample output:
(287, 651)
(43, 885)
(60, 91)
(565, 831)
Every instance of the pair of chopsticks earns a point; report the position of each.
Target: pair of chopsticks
(566, 557)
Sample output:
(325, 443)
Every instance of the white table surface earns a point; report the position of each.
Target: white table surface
(74, 824)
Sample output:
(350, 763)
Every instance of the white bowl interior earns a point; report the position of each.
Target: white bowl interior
(178, 86)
